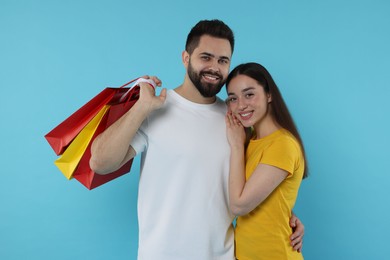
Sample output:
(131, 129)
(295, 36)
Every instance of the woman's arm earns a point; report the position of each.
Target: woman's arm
(245, 195)
(253, 192)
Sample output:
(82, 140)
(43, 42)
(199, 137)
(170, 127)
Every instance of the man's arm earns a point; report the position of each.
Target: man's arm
(111, 149)
(299, 231)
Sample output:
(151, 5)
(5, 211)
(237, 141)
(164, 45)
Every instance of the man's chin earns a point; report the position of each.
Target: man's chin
(210, 94)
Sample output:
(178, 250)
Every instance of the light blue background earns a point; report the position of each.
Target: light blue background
(329, 58)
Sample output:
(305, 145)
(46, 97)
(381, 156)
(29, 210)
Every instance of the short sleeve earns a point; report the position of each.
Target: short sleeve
(139, 142)
(283, 153)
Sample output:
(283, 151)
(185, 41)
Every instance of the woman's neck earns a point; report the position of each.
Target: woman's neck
(266, 127)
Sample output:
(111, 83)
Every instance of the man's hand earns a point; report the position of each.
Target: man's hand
(299, 230)
(148, 95)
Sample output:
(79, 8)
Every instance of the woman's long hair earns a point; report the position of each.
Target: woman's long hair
(279, 109)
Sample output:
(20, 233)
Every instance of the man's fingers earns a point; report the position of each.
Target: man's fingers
(293, 221)
(156, 80)
(297, 240)
(163, 94)
(297, 246)
(298, 232)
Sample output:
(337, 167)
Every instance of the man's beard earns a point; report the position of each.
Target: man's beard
(205, 89)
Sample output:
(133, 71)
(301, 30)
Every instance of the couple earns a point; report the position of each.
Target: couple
(192, 181)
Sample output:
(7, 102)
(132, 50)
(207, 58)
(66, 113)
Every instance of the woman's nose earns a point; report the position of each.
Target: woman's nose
(241, 104)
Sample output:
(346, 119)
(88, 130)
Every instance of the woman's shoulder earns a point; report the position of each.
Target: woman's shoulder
(286, 139)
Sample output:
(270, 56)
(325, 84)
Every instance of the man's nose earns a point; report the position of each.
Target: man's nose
(214, 65)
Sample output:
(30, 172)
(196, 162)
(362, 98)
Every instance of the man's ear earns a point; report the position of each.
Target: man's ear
(185, 56)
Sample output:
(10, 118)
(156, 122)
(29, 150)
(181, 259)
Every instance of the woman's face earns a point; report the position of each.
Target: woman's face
(247, 100)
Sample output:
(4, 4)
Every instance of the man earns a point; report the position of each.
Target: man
(183, 208)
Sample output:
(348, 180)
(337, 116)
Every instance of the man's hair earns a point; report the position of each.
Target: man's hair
(214, 28)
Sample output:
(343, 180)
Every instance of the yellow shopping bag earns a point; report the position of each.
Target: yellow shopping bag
(69, 160)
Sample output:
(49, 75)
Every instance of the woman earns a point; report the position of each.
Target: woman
(266, 170)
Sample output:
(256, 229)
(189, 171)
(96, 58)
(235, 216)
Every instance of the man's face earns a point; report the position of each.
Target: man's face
(209, 64)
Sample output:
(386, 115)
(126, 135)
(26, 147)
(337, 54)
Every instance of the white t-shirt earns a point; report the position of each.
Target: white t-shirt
(183, 209)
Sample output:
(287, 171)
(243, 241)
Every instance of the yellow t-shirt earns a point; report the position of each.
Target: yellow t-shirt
(264, 232)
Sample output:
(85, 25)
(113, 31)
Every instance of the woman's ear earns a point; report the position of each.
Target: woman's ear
(269, 97)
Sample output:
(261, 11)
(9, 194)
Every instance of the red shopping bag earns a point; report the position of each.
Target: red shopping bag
(117, 102)
(63, 134)
(83, 172)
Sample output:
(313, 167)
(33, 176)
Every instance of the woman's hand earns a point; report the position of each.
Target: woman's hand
(235, 131)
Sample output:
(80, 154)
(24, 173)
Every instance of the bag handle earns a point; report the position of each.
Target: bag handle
(136, 83)
(128, 83)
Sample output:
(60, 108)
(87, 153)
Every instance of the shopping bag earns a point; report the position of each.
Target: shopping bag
(83, 173)
(71, 157)
(76, 154)
(62, 135)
